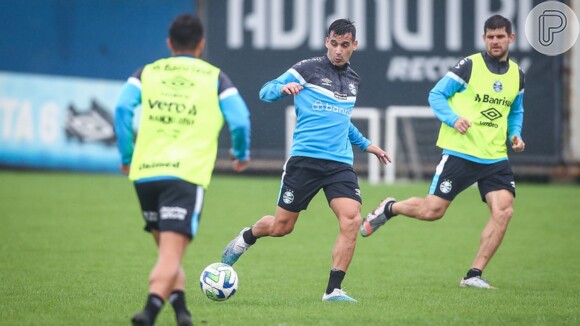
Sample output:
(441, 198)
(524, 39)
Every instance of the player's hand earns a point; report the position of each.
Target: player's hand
(383, 156)
(240, 166)
(125, 169)
(291, 88)
(462, 125)
(518, 145)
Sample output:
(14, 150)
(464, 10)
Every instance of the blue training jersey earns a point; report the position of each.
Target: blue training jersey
(323, 109)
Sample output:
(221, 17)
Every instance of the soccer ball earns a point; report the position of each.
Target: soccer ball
(218, 281)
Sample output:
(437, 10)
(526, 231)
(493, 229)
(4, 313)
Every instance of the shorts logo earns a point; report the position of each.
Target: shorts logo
(288, 197)
(357, 192)
(173, 213)
(150, 216)
(445, 186)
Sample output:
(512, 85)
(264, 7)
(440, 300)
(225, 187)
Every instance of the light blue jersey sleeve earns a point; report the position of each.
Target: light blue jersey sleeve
(271, 91)
(356, 138)
(515, 118)
(237, 117)
(438, 96)
(127, 102)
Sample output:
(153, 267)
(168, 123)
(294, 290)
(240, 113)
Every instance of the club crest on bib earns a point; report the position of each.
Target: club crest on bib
(497, 86)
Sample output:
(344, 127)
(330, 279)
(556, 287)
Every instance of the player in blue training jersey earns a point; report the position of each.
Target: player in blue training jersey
(321, 157)
(480, 105)
(184, 101)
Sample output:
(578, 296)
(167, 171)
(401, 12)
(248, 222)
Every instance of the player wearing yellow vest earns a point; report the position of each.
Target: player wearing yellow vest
(480, 104)
(184, 102)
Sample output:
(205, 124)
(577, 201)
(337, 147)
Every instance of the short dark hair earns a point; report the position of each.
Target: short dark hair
(497, 21)
(185, 32)
(341, 27)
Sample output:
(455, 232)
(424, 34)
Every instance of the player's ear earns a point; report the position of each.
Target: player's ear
(169, 44)
(355, 44)
(511, 38)
(201, 45)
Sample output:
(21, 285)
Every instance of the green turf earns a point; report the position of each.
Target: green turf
(72, 252)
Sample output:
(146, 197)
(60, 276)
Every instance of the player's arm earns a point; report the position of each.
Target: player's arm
(127, 101)
(515, 118)
(237, 117)
(290, 82)
(453, 82)
(356, 138)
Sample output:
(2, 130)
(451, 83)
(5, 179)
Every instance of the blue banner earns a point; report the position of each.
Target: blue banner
(58, 123)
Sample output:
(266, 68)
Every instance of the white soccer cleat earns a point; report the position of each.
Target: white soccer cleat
(235, 249)
(475, 282)
(336, 296)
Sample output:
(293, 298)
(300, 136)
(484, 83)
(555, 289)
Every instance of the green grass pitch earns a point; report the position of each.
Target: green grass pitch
(72, 252)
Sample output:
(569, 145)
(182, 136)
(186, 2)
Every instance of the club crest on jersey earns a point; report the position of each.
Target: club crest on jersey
(288, 197)
(352, 88)
(445, 186)
(497, 86)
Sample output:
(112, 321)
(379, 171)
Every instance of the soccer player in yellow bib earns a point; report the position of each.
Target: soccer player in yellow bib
(479, 102)
(184, 102)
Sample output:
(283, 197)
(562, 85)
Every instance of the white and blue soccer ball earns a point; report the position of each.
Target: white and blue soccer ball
(218, 281)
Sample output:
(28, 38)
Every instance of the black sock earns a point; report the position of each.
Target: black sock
(153, 306)
(177, 299)
(249, 237)
(335, 280)
(473, 273)
(389, 210)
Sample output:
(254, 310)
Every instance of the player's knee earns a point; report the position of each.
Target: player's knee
(433, 214)
(281, 230)
(505, 214)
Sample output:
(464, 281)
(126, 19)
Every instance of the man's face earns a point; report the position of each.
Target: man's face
(497, 42)
(340, 48)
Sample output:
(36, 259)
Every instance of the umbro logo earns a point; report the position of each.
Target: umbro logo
(491, 114)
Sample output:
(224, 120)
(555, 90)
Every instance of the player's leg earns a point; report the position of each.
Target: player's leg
(300, 182)
(501, 208)
(452, 176)
(165, 273)
(430, 208)
(497, 189)
(343, 195)
(179, 205)
(347, 212)
(274, 226)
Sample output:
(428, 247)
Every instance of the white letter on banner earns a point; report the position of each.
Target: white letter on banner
(235, 29)
(48, 125)
(423, 38)
(237, 24)
(24, 123)
(453, 23)
(7, 106)
(383, 28)
(281, 39)
(317, 25)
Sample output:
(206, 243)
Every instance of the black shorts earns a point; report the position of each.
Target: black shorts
(303, 177)
(171, 205)
(454, 174)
